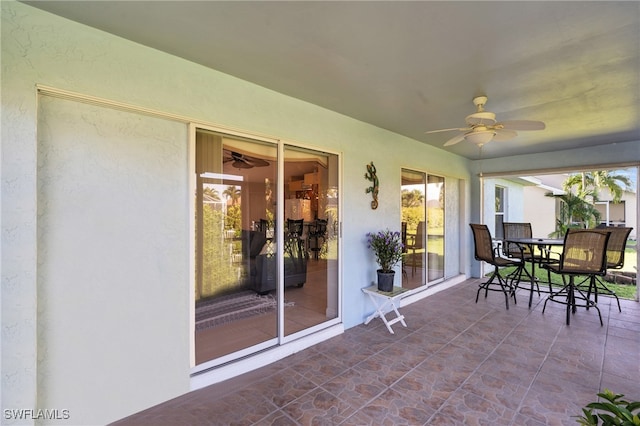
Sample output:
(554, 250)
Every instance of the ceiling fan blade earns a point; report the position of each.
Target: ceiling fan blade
(522, 125)
(454, 140)
(257, 162)
(241, 164)
(504, 135)
(448, 130)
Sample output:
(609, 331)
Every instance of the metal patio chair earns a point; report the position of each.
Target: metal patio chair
(485, 252)
(584, 253)
(615, 260)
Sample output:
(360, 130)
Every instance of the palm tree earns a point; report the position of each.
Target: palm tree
(589, 184)
(575, 212)
(233, 193)
(211, 193)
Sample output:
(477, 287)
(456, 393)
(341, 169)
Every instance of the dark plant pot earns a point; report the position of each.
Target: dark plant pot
(385, 280)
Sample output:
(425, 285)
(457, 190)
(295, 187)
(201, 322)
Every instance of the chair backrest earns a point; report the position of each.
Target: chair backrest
(261, 226)
(295, 227)
(585, 251)
(483, 243)
(515, 230)
(418, 242)
(616, 246)
(320, 228)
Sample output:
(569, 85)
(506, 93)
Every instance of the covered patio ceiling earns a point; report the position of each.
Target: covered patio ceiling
(412, 67)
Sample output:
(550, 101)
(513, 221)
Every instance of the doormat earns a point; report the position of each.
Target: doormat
(226, 309)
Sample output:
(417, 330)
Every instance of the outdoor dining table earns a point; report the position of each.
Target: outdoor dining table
(542, 244)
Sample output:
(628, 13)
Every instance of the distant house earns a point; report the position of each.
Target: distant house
(524, 199)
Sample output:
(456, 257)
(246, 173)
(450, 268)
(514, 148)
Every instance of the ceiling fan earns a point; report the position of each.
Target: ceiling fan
(482, 126)
(241, 161)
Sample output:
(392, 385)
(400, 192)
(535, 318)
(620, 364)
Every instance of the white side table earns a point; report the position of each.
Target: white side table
(383, 300)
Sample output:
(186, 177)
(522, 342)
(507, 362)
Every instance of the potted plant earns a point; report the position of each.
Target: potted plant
(387, 247)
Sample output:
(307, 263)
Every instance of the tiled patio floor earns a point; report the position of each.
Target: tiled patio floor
(457, 363)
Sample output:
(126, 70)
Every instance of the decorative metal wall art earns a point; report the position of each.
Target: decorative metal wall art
(373, 189)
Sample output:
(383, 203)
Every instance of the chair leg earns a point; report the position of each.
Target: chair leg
(604, 289)
(570, 290)
(505, 287)
(589, 303)
(413, 262)
(571, 300)
(485, 286)
(597, 286)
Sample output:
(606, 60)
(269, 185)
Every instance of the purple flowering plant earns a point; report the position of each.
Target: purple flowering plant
(387, 247)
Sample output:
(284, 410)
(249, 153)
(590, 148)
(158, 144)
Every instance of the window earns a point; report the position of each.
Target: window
(500, 200)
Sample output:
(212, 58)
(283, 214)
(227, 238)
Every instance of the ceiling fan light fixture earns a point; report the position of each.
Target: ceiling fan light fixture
(480, 137)
(482, 127)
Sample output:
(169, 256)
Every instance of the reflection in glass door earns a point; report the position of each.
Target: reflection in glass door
(413, 228)
(311, 225)
(435, 228)
(262, 272)
(423, 228)
(236, 275)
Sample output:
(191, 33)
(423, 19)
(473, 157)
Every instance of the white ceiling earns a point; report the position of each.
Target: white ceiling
(414, 66)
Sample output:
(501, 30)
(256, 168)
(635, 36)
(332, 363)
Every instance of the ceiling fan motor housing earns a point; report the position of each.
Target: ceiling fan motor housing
(483, 117)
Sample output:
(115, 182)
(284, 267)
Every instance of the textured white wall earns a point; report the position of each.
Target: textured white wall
(514, 208)
(539, 210)
(112, 259)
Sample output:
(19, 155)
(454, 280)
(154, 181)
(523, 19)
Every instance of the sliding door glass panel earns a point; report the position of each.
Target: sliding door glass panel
(310, 238)
(236, 268)
(435, 228)
(500, 198)
(413, 228)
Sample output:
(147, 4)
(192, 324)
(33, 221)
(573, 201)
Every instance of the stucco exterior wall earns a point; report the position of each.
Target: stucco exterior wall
(539, 210)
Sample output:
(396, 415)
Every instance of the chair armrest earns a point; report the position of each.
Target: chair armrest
(497, 248)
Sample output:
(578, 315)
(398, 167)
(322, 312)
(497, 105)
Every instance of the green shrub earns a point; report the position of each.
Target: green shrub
(612, 411)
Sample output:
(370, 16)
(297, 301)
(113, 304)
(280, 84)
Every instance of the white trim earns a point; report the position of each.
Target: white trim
(537, 182)
(232, 357)
(287, 339)
(191, 170)
(280, 243)
(431, 290)
(556, 170)
(267, 357)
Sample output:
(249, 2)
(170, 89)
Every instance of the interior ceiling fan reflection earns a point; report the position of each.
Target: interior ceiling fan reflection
(241, 161)
(482, 127)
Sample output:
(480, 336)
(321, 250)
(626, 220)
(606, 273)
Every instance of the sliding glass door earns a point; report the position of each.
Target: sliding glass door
(262, 273)
(413, 193)
(236, 274)
(423, 229)
(311, 238)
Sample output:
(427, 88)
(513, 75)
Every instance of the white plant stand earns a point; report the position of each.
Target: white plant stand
(385, 302)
